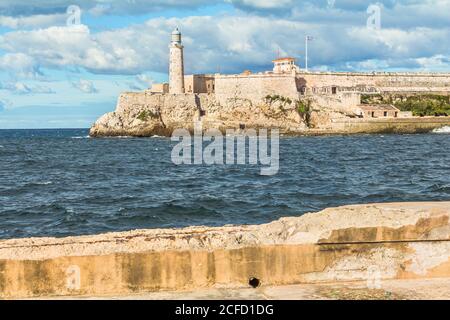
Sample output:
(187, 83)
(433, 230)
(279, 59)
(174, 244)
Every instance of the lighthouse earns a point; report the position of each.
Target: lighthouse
(176, 72)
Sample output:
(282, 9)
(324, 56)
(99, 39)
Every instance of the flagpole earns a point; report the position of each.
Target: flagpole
(306, 53)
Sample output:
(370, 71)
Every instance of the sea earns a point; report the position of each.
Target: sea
(56, 183)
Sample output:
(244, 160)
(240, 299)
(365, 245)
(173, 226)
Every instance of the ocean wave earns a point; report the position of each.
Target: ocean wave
(315, 173)
(445, 129)
(43, 183)
(81, 137)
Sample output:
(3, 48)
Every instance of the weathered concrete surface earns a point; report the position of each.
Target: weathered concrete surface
(398, 241)
(412, 289)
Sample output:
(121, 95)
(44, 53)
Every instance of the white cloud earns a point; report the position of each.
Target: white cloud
(5, 104)
(437, 62)
(262, 4)
(231, 43)
(20, 65)
(120, 7)
(141, 82)
(402, 44)
(35, 21)
(55, 47)
(23, 88)
(85, 86)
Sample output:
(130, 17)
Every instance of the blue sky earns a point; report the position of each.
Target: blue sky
(55, 75)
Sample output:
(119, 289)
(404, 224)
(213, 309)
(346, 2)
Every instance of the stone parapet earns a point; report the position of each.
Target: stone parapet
(393, 241)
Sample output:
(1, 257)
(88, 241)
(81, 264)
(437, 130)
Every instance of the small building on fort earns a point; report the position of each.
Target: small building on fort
(285, 65)
(378, 111)
(200, 83)
(160, 88)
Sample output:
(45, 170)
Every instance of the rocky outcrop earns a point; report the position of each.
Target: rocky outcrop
(146, 114)
(365, 242)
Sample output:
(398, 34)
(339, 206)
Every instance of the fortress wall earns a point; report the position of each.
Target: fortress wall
(178, 110)
(345, 102)
(166, 110)
(391, 82)
(382, 125)
(137, 99)
(254, 87)
(148, 100)
(199, 84)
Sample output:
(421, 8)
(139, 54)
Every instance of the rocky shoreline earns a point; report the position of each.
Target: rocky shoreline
(146, 115)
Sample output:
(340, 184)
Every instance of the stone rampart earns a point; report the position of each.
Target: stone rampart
(384, 82)
(366, 242)
(270, 101)
(413, 125)
(255, 87)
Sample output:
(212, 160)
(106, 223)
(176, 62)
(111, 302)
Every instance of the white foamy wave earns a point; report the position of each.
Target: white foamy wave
(43, 183)
(445, 129)
(81, 137)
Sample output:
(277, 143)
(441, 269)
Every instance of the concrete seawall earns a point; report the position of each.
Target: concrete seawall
(396, 241)
(386, 125)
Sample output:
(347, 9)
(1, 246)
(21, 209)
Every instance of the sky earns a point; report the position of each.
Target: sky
(64, 63)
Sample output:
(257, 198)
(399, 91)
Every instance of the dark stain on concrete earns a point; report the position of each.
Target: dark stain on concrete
(420, 230)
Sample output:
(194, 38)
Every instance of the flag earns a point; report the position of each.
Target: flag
(309, 38)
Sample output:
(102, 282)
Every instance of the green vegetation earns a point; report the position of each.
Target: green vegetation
(427, 105)
(420, 105)
(146, 115)
(275, 98)
(304, 110)
(372, 99)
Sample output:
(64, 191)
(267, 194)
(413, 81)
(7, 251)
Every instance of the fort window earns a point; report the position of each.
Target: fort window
(334, 90)
(396, 114)
(385, 114)
(373, 114)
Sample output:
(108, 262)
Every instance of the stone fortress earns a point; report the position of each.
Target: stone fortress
(295, 100)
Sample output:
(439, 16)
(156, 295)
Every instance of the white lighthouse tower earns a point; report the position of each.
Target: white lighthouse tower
(176, 72)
